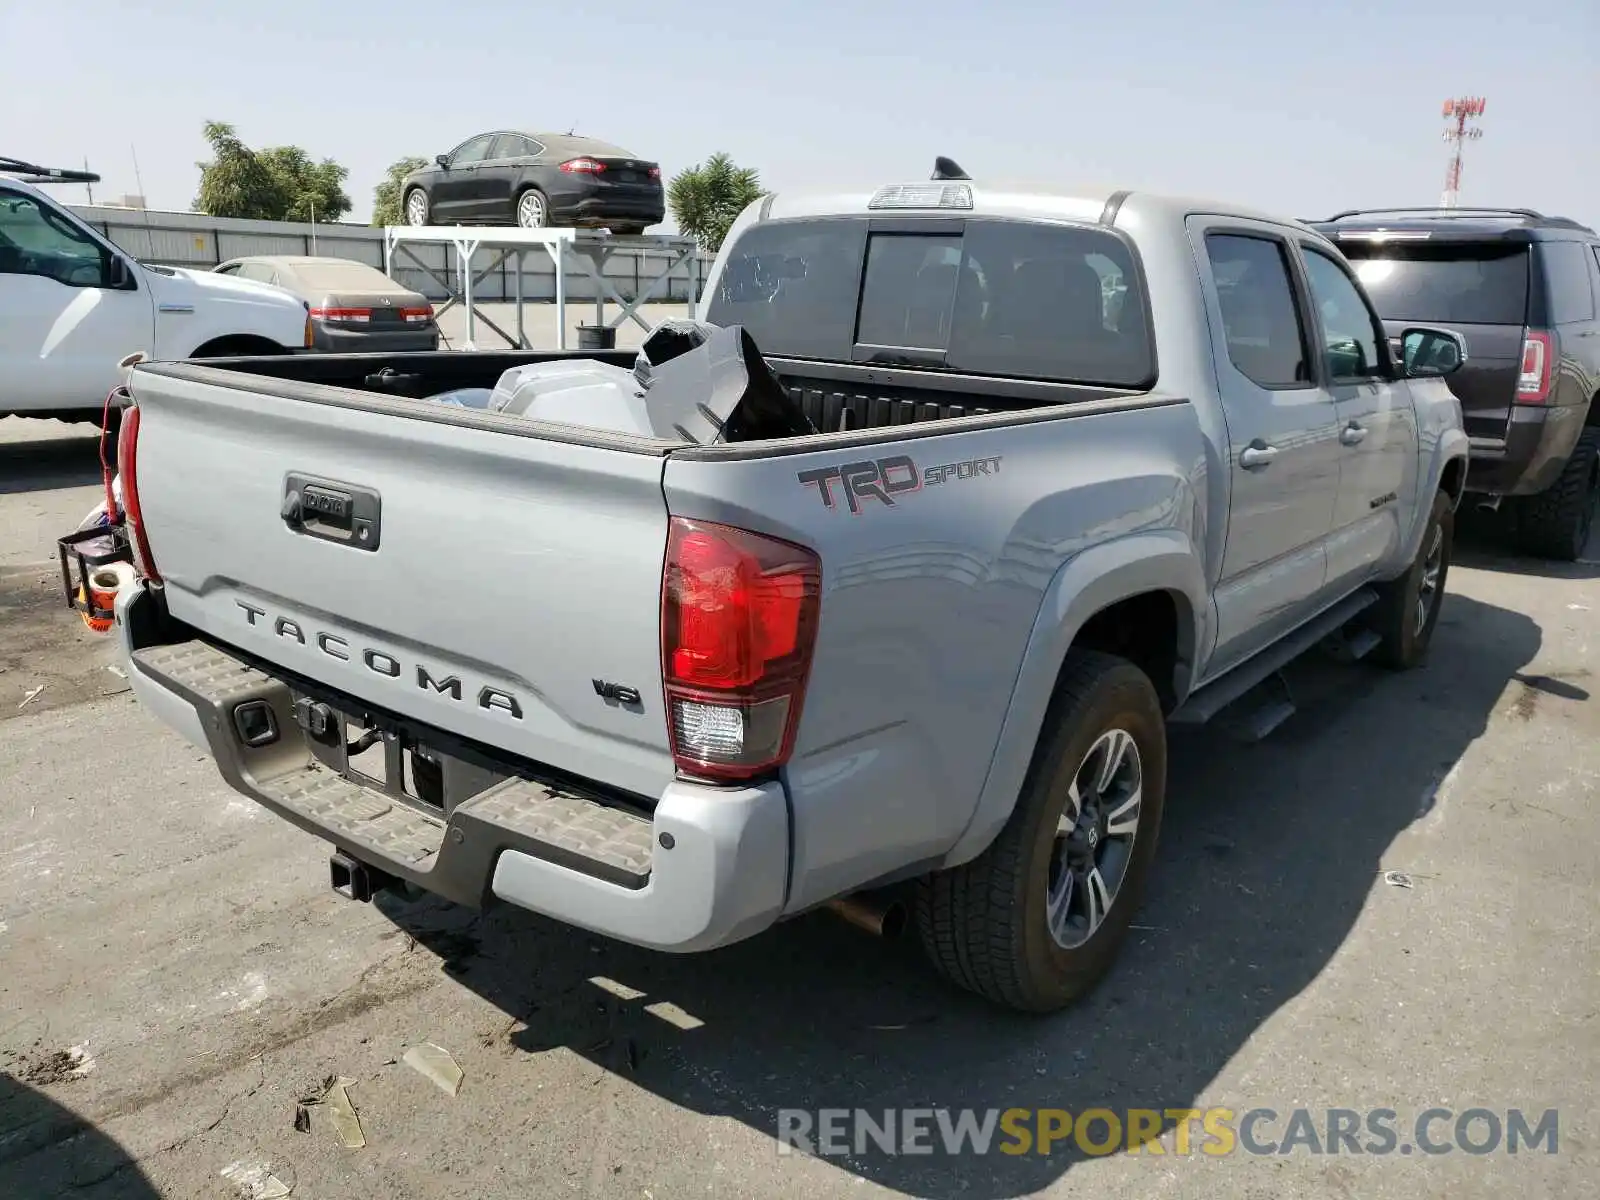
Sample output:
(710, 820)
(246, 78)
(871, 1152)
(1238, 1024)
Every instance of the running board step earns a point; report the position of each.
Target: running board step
(1217, 695)
(1362, 642)
(1273, 704)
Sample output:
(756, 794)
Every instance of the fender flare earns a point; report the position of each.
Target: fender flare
(1163, 561)
(1453, 444)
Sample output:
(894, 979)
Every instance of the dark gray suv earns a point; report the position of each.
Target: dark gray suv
(1524, 291)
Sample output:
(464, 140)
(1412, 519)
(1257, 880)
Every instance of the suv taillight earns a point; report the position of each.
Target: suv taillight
(1538, 360)
(128, 469)
(738, 624)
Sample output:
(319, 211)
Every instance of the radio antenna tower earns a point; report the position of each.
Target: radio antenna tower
(1460, 117)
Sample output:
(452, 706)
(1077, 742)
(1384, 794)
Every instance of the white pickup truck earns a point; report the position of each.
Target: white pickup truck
(72, 306)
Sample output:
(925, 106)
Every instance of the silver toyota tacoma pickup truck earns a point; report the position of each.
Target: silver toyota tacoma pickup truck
(1072, 468)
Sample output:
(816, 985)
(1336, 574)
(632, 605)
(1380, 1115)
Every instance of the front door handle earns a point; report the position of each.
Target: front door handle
(1353, 434)
(1257, 454)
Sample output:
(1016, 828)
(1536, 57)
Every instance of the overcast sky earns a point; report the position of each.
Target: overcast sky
(1297, 108)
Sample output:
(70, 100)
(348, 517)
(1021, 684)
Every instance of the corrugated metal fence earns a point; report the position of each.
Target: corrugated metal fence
(195, 240)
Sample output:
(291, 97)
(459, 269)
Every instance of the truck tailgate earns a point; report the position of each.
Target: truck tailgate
(502, 581)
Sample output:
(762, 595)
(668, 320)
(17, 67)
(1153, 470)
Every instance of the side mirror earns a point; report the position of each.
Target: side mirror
(1431, 353)
(119, 276)
(443, 160)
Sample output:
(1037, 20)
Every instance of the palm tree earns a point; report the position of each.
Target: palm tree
(706, 199)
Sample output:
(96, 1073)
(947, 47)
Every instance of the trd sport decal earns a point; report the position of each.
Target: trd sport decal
(884, 479)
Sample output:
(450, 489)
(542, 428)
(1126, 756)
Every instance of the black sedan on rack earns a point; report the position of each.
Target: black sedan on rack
(536, 180)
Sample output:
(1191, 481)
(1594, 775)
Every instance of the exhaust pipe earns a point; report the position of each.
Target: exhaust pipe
(1489, 504)
(882, 916)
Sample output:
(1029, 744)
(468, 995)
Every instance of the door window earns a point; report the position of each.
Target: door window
(472, 152)
(260, 272)
(1260, 320)
(36, 240)
(1350, 338)
(513, 145)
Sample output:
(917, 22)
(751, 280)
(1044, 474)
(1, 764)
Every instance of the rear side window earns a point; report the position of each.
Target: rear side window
(1566, 273)
(1053, 302)
(793, 285)
(1443, 285)
(1260, 320)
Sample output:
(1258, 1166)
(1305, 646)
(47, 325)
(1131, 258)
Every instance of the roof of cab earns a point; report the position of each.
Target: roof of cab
(1034, 203)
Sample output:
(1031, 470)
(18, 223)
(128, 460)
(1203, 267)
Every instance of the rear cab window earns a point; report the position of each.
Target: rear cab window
(1012, 299)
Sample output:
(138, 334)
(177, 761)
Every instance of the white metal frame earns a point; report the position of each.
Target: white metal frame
(588, 250)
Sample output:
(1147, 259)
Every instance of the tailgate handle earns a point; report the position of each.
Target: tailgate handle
(343, 513)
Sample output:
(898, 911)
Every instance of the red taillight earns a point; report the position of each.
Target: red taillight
(342, 314)
(416, 315)
(1538, 359)
(738, 622)
(128, 470)
(655, 172)
(583, 166)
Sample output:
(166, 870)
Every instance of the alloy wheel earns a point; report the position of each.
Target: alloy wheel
(1428, 585)
(417, 209)
(531, 212)
(1094, 838)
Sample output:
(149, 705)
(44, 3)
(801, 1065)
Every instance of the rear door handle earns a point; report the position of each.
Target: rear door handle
(1353, 434)
(1257, 454)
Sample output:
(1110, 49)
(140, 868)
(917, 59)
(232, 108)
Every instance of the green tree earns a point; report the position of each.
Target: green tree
(386, 198)
(236, 183)
(706, 198)
(280, 183)
(311, 190)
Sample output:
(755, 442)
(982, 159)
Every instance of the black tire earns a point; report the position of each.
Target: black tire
(1556, 523)
(628, 230)
(1408, 607)
(986, 924)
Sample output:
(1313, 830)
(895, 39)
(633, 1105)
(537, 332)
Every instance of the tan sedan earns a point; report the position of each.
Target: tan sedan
(354, 308)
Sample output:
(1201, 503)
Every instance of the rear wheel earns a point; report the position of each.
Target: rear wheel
(1035, 921)
(417, 207)
(533, 210)
(1557, 522)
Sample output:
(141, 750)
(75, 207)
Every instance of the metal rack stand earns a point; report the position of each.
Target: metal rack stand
(588, 250)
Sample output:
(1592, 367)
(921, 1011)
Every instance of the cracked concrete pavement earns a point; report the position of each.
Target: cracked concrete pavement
(175, 976)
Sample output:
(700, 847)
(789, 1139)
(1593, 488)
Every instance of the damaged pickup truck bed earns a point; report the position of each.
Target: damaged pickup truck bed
(1069, 468)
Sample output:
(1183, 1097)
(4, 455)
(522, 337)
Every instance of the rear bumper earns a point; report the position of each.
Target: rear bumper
(600, 209)
(1538, 442)
(377, 341)
(707, 867)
